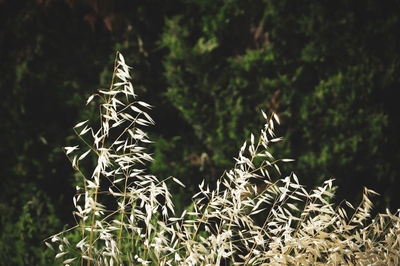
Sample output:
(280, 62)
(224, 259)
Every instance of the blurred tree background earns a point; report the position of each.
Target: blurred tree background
(329, 68)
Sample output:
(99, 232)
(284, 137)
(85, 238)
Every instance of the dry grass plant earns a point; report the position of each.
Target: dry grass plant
(249, 219)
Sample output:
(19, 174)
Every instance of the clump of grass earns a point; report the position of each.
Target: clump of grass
(125, 216)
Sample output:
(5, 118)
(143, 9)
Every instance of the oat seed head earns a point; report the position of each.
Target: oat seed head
(255, 215)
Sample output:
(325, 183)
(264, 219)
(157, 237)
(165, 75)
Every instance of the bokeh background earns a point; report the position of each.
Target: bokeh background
(330, 69)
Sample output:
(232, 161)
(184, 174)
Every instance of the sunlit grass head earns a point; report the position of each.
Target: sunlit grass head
(255, 215)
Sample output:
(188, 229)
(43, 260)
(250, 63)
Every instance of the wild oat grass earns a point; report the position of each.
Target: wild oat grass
(125, 216)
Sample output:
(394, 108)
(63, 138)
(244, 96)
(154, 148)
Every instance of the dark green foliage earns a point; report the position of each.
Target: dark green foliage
(21, 241)
(329, 68)
(44, 61)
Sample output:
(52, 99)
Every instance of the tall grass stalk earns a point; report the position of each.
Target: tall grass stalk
(255, 215)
